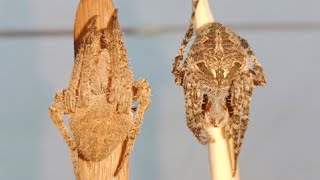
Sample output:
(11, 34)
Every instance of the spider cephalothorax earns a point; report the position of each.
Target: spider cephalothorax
(218, 77)
(99, 98)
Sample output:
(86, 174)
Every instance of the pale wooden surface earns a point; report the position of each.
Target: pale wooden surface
(86, 10)
(203, 14)
(220, 151)
(221, 156)
(105, 169)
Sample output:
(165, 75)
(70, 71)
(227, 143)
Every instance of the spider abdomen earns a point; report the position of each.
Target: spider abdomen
(99, 129)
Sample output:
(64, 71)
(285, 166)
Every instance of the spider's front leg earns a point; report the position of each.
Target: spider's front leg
(177, 62)
(141, 93)
(64, 103)
(194, 110)
(121, 76)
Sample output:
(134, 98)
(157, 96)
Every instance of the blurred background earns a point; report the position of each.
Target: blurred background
(282, 141)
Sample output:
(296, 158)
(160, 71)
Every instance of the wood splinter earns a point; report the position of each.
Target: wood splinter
(100, 96)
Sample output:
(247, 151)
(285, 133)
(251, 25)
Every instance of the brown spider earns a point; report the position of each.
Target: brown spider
(218, 81)
(99, 97)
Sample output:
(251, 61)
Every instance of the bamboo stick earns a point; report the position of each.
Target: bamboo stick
(103, 170)
(220, 151)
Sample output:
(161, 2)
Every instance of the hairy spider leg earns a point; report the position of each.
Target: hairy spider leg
(177, 69)
(194, 112)
(142, 93)
(121, 70)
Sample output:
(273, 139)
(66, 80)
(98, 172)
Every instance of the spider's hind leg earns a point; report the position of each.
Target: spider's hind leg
(62, 105)
(241, 92)
(247, 93)
(142, 93)
(236, 92)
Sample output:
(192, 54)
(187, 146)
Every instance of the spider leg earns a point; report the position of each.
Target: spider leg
(56, 110)
(91, 52)
(121, 82)
(236, 91)
(227, 127)
(76, 72)
(194, 112)
(258, 74)
(241, 93)
(177, 69)
(259, 78)
(70, 100)
(247, 93)
(142, 93)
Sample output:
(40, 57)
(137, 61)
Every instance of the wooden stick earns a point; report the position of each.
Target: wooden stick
(203, 14)
(221, 156)
(86, 10)
(103, 170)
(220, 151)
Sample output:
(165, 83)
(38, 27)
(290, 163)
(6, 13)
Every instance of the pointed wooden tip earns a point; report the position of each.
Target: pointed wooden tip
(87, 9)
(203, 14)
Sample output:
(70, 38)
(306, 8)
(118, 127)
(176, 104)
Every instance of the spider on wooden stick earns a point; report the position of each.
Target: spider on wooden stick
(99, 98)
(218, 78)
